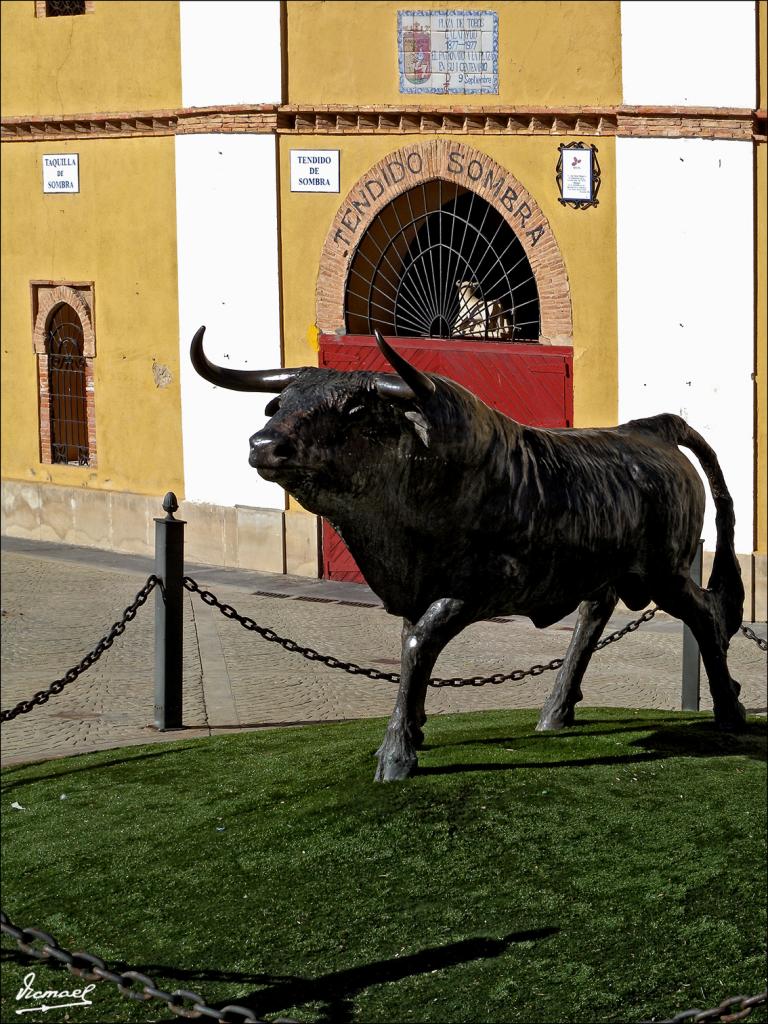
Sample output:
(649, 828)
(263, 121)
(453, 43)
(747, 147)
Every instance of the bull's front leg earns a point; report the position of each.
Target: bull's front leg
(421, 645)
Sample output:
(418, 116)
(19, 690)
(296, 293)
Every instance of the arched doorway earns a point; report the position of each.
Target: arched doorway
(442, 247)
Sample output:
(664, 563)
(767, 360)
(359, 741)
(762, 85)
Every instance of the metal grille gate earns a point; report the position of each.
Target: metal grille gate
(440, 261)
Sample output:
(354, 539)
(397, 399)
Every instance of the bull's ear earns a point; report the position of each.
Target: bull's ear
(420, 425)
(272, 406)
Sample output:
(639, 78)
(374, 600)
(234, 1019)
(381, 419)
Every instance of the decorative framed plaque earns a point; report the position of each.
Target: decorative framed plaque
(578, 175)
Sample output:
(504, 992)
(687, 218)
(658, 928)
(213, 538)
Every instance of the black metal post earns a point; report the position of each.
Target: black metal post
(169, 618)
(691, 659)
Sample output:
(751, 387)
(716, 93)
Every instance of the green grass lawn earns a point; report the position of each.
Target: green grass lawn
(612, 872)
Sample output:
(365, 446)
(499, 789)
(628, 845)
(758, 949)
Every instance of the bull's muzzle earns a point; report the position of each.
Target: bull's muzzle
(269, 451)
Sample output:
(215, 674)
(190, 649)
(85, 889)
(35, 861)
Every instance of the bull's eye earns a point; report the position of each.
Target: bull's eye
(272, 406)
(355, 409)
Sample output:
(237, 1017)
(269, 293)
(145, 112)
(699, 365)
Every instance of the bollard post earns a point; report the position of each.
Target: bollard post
(169, 617)
(691, 660)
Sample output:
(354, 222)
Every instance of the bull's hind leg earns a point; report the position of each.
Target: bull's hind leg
(700, 611)
(422, 644)
(558, 711)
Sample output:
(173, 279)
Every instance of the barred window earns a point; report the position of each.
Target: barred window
(67, 388)
(62, 8)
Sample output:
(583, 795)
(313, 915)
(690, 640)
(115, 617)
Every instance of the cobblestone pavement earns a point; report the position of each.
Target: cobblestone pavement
(58, 601)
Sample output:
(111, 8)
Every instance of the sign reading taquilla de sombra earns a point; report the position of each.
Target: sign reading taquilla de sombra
(448, 51)
(61, 173)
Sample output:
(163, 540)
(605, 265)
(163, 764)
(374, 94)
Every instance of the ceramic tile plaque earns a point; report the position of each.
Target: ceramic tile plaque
(448, 51)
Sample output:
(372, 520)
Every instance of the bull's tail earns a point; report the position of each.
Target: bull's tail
(724, 582)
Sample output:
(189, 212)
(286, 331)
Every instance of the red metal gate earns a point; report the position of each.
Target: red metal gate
(531, 383)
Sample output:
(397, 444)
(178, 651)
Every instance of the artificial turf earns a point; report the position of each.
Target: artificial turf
(612, 872)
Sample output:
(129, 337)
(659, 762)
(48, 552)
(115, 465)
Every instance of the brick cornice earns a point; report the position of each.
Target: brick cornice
(386, 119)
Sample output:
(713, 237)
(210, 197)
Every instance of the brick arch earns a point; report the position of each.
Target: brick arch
(49, 301)
(470, 167)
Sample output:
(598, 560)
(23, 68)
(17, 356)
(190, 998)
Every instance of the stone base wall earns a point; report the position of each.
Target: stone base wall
(266, 540)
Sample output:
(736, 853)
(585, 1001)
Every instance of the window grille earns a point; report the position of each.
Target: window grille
(67, 388)
(64, 8)
(440, 262)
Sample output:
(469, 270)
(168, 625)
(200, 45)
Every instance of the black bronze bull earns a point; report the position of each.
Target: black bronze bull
(456, 513)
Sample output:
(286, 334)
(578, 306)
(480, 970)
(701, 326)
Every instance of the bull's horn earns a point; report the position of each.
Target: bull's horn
(238, 380)
(413, 383)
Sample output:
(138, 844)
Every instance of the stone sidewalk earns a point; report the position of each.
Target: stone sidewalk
(58, 601)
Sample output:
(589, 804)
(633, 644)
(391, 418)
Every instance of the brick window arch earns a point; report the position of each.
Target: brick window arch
(458, 164)
(65, 346)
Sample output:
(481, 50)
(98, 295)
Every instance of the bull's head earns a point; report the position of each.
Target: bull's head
(328, 427)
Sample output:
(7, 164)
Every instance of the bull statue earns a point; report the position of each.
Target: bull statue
(457, 513)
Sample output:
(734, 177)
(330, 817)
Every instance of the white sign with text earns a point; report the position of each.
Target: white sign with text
(314, 170)
(61, 172)
(577, 175)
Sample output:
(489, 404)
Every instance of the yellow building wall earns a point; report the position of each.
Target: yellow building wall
(123, 57)
(761, 383)
(587, 240)
(119, 232)
(549, 53)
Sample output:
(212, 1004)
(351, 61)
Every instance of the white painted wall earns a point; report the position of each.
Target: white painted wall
(681, 53)
(230, 52)
(685, 298)
(226, 208)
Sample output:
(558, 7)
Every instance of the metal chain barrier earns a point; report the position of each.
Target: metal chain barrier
(732, 1009)
(751, 635)
(393, 677)
(183, 1003)
(132, 984)
(43, 696)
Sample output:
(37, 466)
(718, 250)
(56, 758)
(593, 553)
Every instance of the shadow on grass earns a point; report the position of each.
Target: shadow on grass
(585, 726)
(334, 991)
(9, 772)
(671, 739)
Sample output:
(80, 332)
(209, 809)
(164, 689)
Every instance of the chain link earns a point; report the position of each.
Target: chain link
(183, 1003)
(138, 986)
(732, 1009)
(43, 696)
(751, 635)
(393, 677)
(131, 984)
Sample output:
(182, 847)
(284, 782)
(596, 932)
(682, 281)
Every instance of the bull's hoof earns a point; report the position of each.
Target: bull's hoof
(397, 760)
(390, 770)
(733, 719)
(551, 721)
